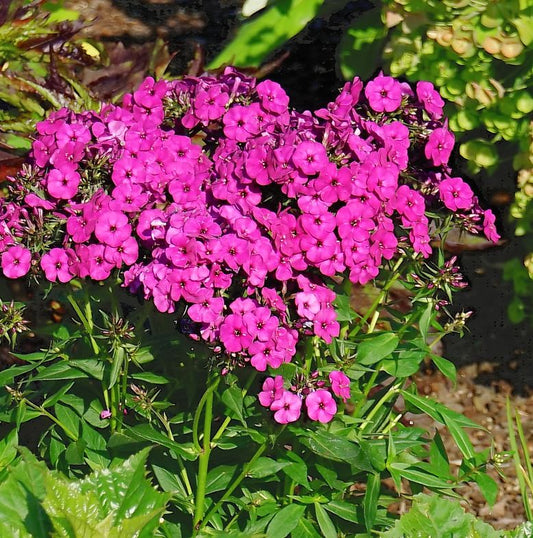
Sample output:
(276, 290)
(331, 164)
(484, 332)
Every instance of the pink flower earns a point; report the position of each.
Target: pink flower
(273, 97)
(307, 305)
(489, 227)
(234, 333)
(320, 406)
(409, 203)
(456, 194)
(98, 267)
(240, 124)
(127, 253)
(325, 324)
(340, 384)
(384, 94)
(16, 261)
(112, 228)
(208, 310)
(63, 184)
(310, 157)
(287, 408)
(35, 201)
(439, 146)
(210, 104)
(319, 250)
(430, 98)
(56, 265)
(272, 390)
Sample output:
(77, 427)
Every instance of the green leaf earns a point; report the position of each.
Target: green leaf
(58, 13)
(296, 469)
(439, 517)
(18, 142)
(69, 419)
(407, 363)
(332, 447)
(54, 398)
(459, 436)
(150, 377)
(95, 446)
(36, 356)
(344, 310)
(169, 481)
(376, 347)
(92, 367)
(112, 371)
(263, 467)
(60, 370)
(75, 452)
(437, 410)
(20, 499)
(375, 450)
(426, 405)
(360, 48)
(524, 26)
(233, 399)
(420, 477)
(146, 432)
(445, 366)
(370, 501)
(488, 487)
(45, 93)
(285, 521)
(438, 456)
(219, 478)
(324, 522)
(7, 376)
(344, 510)
(305, 529)
(425, 320)
(8, 448)
(266, 32)
(110, 502)
(480, 151)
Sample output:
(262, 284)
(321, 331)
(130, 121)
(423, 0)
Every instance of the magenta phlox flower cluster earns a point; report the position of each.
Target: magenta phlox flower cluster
(210, 195)
(318, 397)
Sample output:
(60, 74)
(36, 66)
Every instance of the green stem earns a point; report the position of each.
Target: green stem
(197, 416)
(53, 418)
(372, 311)
(437, 339)
(123, 389)
(205, 453)
(86, 320)
(227, 420)
(233, 486)
(392, 391)
(115, 408)
(391, 424)
(170, 435)
(366, 391)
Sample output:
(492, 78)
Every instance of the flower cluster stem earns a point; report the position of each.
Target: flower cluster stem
(206, 405)
(233, 486)
(236, 482)
(373, 311)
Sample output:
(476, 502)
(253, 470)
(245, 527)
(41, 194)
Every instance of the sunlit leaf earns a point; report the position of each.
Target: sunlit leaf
(270, 29)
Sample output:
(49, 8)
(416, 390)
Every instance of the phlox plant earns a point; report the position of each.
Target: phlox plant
(232, 268)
